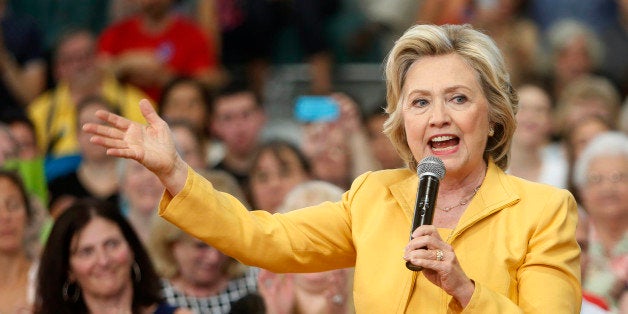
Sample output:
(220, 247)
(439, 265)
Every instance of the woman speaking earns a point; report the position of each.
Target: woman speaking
(497, 243)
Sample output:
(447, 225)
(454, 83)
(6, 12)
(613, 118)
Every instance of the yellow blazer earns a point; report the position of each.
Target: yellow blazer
(516, 240)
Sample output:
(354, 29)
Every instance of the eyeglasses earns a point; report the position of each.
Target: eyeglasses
(614, 177)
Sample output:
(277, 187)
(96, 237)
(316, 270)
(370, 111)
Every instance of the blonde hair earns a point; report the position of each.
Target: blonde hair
(481, 53)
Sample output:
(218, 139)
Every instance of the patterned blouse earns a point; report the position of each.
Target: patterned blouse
(217, 304)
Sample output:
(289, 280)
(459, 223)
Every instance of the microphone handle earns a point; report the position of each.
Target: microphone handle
(424, 208)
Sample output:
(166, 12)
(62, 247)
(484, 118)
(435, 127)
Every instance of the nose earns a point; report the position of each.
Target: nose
(102, 257)
(439, 114)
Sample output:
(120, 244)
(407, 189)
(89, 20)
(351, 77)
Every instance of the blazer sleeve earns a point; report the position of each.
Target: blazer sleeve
(311, 239)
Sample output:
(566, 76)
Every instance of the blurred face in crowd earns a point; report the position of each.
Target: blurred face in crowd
(605, 195)
(185, 102)
(13, 217)
(76, 59)
(8, 146)
(382, 148)
(24, 135)
(238, 120)
(583, 132)
(89, 150)
(198, 263)
(155, 9)
(534, 118)
(325, 145)
(142, 188)
(573, 60)
(100, 260)
(188, 147)
(273, 176)
(582, 108)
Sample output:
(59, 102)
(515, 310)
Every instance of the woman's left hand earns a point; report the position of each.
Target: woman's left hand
(440, 265)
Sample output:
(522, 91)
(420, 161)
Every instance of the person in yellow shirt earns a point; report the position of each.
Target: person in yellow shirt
(78, 76)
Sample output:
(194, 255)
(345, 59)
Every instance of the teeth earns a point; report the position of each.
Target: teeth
(442, 138)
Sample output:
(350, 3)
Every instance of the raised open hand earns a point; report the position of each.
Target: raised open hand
(152, 144)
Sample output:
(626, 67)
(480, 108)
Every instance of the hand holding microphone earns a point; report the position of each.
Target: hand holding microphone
(430, 171)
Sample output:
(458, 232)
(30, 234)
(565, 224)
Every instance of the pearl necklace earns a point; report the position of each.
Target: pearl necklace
(464, 201)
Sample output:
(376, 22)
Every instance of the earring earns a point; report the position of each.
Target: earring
(70, 298)
(136, 272)
(491, 132)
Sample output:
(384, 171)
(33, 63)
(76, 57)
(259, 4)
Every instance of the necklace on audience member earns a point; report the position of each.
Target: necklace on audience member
(464, 201)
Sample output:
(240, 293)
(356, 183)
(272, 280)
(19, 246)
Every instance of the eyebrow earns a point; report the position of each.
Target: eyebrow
(447, 90)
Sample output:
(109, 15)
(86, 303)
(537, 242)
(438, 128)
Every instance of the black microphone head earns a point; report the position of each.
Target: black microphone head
(431, 165)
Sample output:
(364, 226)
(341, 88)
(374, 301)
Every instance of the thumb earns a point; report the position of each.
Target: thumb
(148, 111)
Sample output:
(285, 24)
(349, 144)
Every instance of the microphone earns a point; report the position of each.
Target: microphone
(430, 170)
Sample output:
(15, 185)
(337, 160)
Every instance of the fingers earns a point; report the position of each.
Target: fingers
(103, 131)
(430, 259)
(149, 113)
(426, 230)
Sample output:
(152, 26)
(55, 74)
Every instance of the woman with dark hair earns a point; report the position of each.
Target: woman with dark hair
(277, 167)
(94, 262)
(16, 215)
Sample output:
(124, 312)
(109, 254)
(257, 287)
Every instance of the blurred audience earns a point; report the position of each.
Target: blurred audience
(94, 262)
(77, 76)
(574, 51)
(55, 17)
(9, 149)
(322, 292)
(601, 175)
(188, 99)
(277, 167)
(339, 150)
(139, 196)
(517, 37)
(189, 143)
(445, 12)
(96, 174)
(587, 96)
(382, 148)
(237, 119)
(22, 62)
(248, 29)
(529, 157)
(591, 304)
(17, 260)
(151, 47)
(29, 161)
(577, 139)
(195, 275)
(615, 39)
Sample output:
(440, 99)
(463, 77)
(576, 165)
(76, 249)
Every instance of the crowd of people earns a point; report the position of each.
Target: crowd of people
(137, 173)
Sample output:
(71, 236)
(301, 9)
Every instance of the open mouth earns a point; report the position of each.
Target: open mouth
(443, 143)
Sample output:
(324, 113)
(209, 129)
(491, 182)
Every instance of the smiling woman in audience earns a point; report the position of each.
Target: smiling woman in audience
(93, 262)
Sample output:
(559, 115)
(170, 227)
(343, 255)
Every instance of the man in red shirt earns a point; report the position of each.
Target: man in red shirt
(155, 45)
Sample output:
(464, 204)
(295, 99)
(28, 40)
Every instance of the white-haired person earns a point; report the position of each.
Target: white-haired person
(601, 175)
(497, 243)
(319, 292)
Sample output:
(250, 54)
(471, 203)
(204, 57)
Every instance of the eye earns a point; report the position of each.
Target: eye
(84, 252)
(459, 99)
(420, 102)
(112, 243)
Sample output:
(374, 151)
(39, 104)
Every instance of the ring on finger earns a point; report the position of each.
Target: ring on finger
(440, 255)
